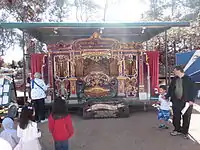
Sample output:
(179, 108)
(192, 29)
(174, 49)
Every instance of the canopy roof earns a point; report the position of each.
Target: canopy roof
(191, 62)
(125, 32)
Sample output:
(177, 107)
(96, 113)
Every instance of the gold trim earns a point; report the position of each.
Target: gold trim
(72, 79)
(94, 50)
(121, 78)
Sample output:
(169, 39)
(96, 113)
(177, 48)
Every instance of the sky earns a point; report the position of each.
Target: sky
(126, 10)
(122, 11)
(14, 53)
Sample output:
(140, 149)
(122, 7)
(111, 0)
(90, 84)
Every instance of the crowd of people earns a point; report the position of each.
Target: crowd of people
(26, 136)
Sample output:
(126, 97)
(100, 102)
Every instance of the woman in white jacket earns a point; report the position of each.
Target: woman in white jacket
(27, 131)
(38, 95)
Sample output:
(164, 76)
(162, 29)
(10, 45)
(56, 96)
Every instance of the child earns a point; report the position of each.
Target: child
(9, 133)
(27, 131)
(60, 124)
(164, 111)
(4, 145)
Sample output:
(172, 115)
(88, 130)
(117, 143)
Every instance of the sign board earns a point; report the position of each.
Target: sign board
(5, 90)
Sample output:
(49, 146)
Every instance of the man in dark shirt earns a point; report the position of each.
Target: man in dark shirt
(181, 90)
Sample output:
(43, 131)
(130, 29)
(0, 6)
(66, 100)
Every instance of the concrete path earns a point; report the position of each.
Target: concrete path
(138, 132)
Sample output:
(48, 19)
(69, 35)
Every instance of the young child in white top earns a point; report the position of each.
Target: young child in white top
(9, 133)
(5, 145)
(164, 111)
(27, 131)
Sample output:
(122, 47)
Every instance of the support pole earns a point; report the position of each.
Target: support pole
(24, 65)
(53, 70)
(148, 83)
(166, 59)
(138, 77)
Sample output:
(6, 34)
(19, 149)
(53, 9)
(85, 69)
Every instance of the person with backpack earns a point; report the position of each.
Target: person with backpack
(60, 124)
(38, 95)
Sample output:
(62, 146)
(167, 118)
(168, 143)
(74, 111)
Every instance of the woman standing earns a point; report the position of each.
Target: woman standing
(60, 124)
(38, 95)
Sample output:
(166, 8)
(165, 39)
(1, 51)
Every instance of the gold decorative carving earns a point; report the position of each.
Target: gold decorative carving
(131, 73)
(131, 45)
(96, 91)
(61, 45)
(62, 86)
(79, 67)
(121, 87)
(131, 86)
(130, 65)
(96, 55)
(73, 85)
(96, 79)
(95, 82)
(92, 66)
(120, 63)
(61, 66)
(113, 67)
(96, 35)
(72, 65)
(96, 42)
(121, 78)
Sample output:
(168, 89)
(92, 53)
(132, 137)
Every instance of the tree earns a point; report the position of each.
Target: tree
(177, 10)
(13, 65)
(156, 10)
(178, 39)
(20, 64)
(106, 6)
(194, 5)
(1, 62)
(58, 10)
(7, 36)
(24, 10)
(85, 9)
(20, 11)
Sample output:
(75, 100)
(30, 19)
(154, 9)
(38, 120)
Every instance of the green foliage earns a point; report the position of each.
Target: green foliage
(184, 10)
(58, 10)
(39, 11)
(20, 64)
(178, 39)
(1, 62)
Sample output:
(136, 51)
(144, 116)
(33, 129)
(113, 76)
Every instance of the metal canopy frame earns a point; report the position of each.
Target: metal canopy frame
(125, 32)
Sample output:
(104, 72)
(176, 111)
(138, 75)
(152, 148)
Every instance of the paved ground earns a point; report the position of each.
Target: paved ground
(138, 132)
